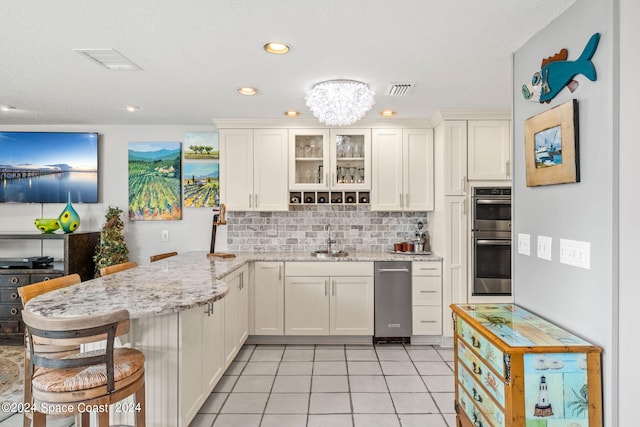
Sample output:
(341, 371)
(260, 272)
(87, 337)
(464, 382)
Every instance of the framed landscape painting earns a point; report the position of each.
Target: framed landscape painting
(201, 183)
(551, 146)
(154, 181)
(201, 146)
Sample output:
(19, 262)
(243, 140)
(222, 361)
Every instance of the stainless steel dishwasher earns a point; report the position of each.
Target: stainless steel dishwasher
(392, 301)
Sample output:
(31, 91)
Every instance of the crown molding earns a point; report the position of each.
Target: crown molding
(468, 114)
(297, 123)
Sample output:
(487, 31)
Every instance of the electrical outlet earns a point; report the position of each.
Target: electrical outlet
(524, 247)
(165, 235)
(544, 247)
(575, 253)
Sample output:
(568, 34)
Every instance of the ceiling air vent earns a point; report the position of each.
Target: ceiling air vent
(399, 89)
(109, 58)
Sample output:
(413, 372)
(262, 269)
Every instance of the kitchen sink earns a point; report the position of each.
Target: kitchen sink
(329, 254)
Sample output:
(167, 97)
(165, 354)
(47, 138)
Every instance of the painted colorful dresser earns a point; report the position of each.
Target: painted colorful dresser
(515, 369)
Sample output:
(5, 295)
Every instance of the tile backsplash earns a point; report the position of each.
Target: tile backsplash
(302, 228)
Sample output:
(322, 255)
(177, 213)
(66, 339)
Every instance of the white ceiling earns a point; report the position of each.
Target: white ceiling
(194, 54)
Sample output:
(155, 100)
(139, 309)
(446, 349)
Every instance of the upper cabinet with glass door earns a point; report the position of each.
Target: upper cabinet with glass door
(309, 159)
(351, 159)
(324, 160)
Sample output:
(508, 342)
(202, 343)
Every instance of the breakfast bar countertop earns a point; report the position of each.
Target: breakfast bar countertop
(173, 284)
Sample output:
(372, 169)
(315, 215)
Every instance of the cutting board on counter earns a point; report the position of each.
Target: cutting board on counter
(222, 255)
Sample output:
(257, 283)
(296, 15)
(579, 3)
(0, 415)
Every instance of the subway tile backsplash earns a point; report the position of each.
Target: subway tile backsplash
(302, 228)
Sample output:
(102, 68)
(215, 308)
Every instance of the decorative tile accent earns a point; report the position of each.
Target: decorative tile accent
(302, 228)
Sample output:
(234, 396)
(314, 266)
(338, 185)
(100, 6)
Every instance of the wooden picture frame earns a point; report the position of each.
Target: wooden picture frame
(551, 146)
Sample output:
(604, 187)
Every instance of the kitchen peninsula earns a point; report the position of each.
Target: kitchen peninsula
(190, 316)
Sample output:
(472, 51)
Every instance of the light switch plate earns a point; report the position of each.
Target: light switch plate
(575, 253)
(544, 247)
(524, 244)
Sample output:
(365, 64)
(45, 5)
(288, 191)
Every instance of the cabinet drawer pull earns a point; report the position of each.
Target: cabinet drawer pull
(476, 369)
(476, 396)
(475, 342)
(14, 311)
(428, 321)
(428, 292)
(14, 280)
(14, 295)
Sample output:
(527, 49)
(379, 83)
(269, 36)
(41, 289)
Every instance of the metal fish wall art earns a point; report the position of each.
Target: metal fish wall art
(556, 73)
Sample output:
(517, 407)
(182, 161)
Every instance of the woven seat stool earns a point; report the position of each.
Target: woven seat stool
(89, 381)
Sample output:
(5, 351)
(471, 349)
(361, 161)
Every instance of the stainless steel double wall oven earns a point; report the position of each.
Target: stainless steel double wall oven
(491, 241)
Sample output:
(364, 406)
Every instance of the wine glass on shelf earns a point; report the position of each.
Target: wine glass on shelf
(352, 173)
(361, 175)
(343, 174)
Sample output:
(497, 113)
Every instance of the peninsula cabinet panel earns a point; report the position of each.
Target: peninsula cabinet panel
(515, 369)
(236, 312)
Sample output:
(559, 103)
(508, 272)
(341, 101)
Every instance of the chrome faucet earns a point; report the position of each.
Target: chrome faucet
(329, 239)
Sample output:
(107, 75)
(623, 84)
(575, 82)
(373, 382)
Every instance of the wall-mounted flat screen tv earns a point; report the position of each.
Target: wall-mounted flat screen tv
(45, 167)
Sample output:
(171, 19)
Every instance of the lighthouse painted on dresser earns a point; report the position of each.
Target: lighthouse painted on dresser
(543, 407)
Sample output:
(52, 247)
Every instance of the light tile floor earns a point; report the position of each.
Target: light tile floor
(387, 385)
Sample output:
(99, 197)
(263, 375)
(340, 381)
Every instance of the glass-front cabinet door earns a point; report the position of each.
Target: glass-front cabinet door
(351, 159)
(309, 153)
(339, 159)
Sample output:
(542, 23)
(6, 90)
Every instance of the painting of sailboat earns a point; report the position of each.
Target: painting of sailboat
(548, 147)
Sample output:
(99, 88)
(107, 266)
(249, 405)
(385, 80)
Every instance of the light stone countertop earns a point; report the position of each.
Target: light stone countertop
(173, 284)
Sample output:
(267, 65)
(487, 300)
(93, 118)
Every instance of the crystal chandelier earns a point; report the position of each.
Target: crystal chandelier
(340, 102)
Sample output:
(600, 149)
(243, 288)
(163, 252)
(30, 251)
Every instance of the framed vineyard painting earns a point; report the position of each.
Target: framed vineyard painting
(201, 184)
(154, 181)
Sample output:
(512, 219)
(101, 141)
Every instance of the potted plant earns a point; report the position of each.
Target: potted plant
(111, 248)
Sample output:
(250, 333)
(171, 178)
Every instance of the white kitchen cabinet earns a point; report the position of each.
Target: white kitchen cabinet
(488, 150)
(454, 133)
(268, 298)
(336, 159)
(426, 297)
(402, 170)
(329, 298)
(236, 322)
(253, 173)
(201, 359)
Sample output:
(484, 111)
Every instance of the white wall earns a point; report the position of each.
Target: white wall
(629, 292)
(143, 238)
(583, 301)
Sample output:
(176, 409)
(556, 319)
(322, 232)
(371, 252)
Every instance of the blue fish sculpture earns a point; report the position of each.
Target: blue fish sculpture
(557, 72)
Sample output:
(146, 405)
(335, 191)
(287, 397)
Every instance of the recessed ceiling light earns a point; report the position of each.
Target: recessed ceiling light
(132, 108)
(8, 108)
(276, 48)
(387, 113)
(292, 113)
(247, 91)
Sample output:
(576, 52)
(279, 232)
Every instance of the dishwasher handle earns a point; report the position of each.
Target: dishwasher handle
(393, 270)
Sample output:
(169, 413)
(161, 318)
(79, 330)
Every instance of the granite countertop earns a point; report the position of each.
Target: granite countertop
(173, 284)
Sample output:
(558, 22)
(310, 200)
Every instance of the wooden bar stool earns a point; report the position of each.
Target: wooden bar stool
(158, 257)
(104, 271)
(87, 381)
(31, 291)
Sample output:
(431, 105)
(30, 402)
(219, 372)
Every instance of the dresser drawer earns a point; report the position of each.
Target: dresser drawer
(9, 295)
(13, 280)
(10, 326)
(427, 320)
(474, 414)
(11, 311)
(426, 290)
(35, 278)
(426, 268)
(489, 352)
(483, 401)
(481, 372)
